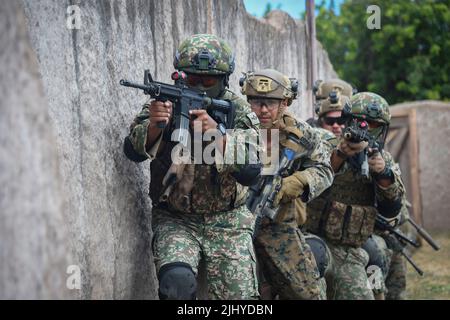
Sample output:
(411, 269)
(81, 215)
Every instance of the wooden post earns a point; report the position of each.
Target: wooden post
(414, 158)
(311, 51)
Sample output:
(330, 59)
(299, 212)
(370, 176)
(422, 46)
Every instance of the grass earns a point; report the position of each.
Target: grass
(435, 283)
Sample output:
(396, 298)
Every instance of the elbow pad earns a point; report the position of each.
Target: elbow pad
(130, 153)
(248, 175)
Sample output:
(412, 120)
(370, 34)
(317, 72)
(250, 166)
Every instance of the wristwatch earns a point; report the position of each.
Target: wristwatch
(222, 129)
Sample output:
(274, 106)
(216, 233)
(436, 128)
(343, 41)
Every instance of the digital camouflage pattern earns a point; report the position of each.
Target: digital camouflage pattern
(380, 277)
(347, 279)
(287, 261)
(396, 279)
(214, 225)
(327, 136)
(214, 187)
(351, 188)
(364, 106)
(222, 239)
(315, 165)
(204, 54)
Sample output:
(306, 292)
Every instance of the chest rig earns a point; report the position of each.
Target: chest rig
(345, 213)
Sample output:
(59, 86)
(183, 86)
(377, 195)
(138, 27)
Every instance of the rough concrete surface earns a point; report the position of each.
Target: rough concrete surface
(433, 134)
(69, 195)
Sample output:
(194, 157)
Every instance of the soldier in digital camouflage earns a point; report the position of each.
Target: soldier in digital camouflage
(331, 96)
(344, 215)
(203, 214)
(287, 261)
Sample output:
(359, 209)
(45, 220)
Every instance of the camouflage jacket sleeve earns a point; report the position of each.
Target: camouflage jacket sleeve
(395, 192)
(138, 134)
(242, 142)
(316, 165)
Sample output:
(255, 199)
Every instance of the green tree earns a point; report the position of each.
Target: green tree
(267, 10)
(407, 59)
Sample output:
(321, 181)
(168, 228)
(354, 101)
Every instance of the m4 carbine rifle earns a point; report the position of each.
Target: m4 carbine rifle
(356, 131)
(262, 195)
(397, 241)
(184, 100)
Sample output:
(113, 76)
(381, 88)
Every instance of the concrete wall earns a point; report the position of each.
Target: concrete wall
(88, 206)
(433, 130)
(35, 243)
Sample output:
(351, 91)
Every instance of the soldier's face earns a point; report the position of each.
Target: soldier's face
(266, 110)
(212, 85)
(332, 122)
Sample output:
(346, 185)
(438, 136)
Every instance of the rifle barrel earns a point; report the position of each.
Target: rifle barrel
(424, 234)
(419, 271)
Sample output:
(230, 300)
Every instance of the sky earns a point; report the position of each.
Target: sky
(293, 7)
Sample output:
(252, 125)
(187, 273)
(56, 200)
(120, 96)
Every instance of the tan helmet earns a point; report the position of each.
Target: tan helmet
(331, 95)
(269, 83)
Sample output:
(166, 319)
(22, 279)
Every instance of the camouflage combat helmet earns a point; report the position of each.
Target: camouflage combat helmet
(372, 107)
(269, 83)
(204, 54)
(331, 95)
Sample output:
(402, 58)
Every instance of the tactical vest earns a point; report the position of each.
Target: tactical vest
(296, 208)
(344, 213)
(211, 191)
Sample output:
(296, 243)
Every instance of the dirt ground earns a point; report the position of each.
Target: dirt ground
(435, 283)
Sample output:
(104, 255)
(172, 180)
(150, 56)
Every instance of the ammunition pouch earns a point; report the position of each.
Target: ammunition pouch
(343, 224)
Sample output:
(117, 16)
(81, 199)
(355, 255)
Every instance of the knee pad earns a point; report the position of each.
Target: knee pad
(177, 282)
(320, 252)
(376, 255)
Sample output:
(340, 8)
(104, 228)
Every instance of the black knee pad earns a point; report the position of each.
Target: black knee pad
(319, 250)
(376, 255)
(177, 282)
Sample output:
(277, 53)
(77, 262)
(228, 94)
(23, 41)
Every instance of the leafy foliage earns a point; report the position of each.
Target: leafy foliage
(407, 59)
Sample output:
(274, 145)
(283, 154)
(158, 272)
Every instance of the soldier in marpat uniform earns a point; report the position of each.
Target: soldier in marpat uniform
(287, 261)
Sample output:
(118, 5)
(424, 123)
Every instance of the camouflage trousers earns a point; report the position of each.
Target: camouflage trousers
(376, 276)
(287, 262)
(222, 240)
(396, 278)
(347, 279)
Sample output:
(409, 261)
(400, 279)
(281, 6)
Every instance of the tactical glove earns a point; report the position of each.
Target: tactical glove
(291, 188)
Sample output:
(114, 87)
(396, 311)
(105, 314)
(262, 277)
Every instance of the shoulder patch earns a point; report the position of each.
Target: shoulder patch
(253, 118)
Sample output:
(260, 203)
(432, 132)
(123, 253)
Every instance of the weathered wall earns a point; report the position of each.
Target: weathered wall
(35, 243)
(433, 130)
(105, 207)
